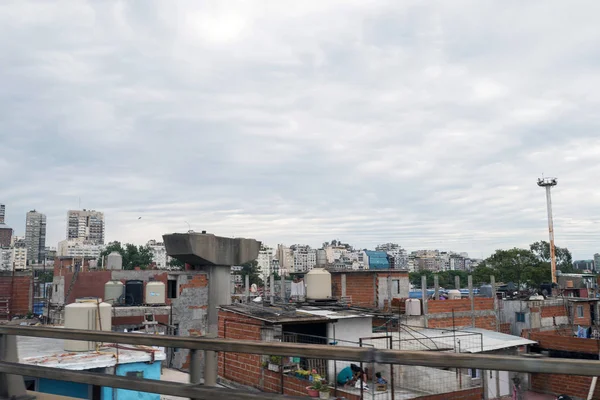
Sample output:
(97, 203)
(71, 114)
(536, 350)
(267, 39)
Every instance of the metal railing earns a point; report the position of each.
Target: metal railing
(196, 344)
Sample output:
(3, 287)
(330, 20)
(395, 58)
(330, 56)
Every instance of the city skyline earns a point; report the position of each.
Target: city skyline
(423, 124)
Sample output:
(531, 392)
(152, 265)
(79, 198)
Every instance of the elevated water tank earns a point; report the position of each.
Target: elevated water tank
(485, 290)
(413, 306)
(114, 261)
(155, 293)
(318, 284)
(113, 290)
(134, 293)
(87, 314)
(454, 294)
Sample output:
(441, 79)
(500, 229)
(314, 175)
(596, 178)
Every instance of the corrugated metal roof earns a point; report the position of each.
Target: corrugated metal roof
(49, 352)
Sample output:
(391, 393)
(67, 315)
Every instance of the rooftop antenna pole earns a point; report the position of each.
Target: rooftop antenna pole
(548, 183)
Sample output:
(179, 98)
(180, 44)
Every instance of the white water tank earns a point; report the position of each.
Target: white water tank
(113, 290)
(114, 261)
(454, 294)
(87, 314)
(318, 284)
(413, 306)
(155, 293)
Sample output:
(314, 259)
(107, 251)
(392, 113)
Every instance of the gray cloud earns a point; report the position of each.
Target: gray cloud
(425, 124)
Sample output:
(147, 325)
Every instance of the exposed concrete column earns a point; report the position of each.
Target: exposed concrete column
(424, 298)
(389, 292)
(11, 386)
(436, 287)
(472, 298)
(247, 288)
(272, 288)
(457, 282)
(218, 280)
(495, 297)
(215, 255)
(343, 280)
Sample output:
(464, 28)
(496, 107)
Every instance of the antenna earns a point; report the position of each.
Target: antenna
(548, 183)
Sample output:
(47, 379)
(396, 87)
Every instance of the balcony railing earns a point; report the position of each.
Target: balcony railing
(195, 344)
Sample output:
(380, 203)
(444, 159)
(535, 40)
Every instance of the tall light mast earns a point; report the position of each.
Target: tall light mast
(548, 183)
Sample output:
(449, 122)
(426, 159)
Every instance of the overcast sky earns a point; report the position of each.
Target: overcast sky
(416, 122)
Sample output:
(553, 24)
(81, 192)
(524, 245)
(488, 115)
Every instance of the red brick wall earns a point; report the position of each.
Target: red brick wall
(505, 328)
(241, 368)
(554, 311)
(88, 284)
(21, 293)
(486, 322)
(574, 386)
(469, 394)
(442, 306)
(360, 287)
(553, 341)
(587, 317)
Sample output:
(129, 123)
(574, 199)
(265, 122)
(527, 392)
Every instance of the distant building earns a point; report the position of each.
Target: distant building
(78, 248)
(286, 258)
(2, 213)
(264, 260)
(377, 260)
(86, 225)
(398, 256)
(19, 253)
(6, 234)
(305, 258)
(35, 237)
(584, 265)
(159, 254)
(6, 259)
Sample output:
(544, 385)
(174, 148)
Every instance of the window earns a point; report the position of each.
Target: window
(474, 373)
(579, 311)
(135, 374)
(520, 317)
(396, 287)
(172, 288)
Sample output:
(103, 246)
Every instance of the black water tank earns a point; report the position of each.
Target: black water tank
(134, 293)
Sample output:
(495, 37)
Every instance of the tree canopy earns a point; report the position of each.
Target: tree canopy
(524, 267)
(133, 256)
(251, 269)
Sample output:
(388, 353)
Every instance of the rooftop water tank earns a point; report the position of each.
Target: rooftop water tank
(155, 293)
(114, 261)
(321, 257)
(318, 284)
(413, 306)
(454, 294)
(485, 290)
(113, 291)
(134, 293)
(87, 314)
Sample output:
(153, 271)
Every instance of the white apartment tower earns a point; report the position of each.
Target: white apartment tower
(35, 237)
(265, 260)
(2, 213)
(305, 258)
(87, 225)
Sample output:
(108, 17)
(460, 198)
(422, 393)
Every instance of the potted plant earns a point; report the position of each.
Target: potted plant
(274, 362)
(324, 391)
(314, 389)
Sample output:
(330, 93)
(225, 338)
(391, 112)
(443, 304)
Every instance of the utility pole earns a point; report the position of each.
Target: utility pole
(548, 183)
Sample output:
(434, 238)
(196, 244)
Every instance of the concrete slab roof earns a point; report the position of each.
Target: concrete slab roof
(290, 314)
(468, 340)
(49, 352)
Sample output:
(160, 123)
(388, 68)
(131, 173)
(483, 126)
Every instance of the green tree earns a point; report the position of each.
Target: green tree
(176, 264)
(481, 274)
(564, 259)
(251, 269)
(133, 256)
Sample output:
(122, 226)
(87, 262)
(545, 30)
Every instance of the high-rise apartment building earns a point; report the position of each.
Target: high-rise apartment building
(35, 237)
(6, 234)
(159, 254)
(305, 258)
(85, 225)
(2, 213)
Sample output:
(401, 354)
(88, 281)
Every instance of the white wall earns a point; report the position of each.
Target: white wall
(347, 330)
